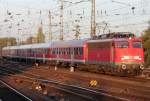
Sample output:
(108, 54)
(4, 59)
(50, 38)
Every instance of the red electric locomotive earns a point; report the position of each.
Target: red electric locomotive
(115, 53)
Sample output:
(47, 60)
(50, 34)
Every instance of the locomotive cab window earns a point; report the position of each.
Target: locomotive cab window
(122, 44)
(137, 44)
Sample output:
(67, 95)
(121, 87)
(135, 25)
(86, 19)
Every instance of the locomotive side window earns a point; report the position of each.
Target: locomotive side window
(122, 44)
(137, 45)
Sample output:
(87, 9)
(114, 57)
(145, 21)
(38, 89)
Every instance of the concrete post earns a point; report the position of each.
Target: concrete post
(71, 69)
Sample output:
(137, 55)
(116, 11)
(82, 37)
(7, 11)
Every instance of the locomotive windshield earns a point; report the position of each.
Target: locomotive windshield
(122, 44)
(137, 44)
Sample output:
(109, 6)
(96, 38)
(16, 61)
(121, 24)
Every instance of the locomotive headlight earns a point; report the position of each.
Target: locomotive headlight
(124, 67)
(122, 58)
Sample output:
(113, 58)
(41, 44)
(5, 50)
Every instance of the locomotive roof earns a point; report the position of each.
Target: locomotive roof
(107, 40)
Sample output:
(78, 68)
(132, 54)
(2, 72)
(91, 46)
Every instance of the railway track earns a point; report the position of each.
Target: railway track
(31, 76)
(8, 93)
(85, 93)
(132, 78)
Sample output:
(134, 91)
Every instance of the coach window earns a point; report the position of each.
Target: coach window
(66, 51)
(80, 51)
(69, 51)
(59, 50)
(33, 51)
(56, 51)
(77, 51)
(63, 51)
(45, 50)
(53, 51)
(122, 44)
(50, 51)
(74, 51)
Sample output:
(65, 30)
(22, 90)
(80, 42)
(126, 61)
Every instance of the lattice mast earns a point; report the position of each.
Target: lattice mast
(93, 18)
(50, 26)
(62, 20)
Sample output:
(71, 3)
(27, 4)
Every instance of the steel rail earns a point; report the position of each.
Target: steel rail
(16, 91)
(38, 78)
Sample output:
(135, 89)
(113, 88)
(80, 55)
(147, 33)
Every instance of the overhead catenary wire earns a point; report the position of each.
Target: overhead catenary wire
(110, 15)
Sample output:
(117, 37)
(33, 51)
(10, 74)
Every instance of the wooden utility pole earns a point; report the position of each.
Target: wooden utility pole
(50, 26)
(93, 17)
(62, 20)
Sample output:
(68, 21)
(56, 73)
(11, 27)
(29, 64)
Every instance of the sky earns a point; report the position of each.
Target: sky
(21, 18)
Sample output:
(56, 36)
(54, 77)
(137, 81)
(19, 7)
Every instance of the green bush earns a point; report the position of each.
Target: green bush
(146, 44)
